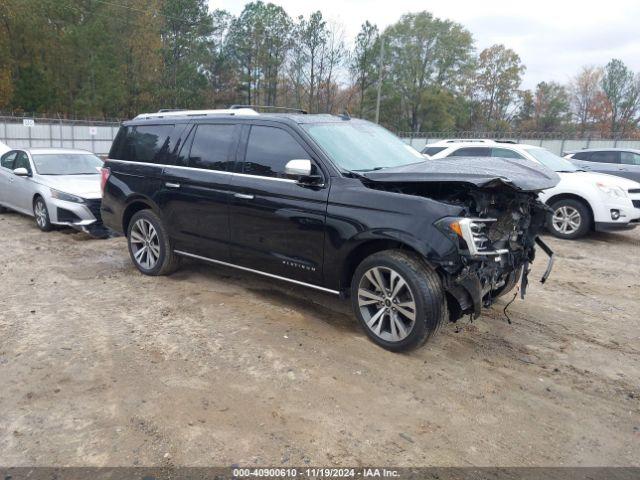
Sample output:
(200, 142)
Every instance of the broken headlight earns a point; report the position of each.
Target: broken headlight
(474, 234)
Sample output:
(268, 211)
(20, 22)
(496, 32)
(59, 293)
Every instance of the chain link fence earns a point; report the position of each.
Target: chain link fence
(39, 131)
(556, 142)
(19, 131)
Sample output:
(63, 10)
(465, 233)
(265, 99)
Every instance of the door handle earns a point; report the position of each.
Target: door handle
(244, 196)
(172, 185)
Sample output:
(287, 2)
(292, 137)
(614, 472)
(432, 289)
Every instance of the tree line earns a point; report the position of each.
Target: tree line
(117, 58)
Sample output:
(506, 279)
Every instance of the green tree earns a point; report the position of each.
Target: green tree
(496, 83)
(551, 103)
(186, 46)
(423, 51)
(364, 61)
(622, 89)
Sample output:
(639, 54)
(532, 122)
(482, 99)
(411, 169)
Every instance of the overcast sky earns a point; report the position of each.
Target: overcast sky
(554, 38)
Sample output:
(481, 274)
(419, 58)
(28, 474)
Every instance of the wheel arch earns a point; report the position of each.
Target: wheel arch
(133, 207)
(366, 248)
(572, 196)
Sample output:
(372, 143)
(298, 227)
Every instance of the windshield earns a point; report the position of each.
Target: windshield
(552, 161)
(66, 163)
(362, 146)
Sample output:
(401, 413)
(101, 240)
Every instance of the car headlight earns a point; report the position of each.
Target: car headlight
(67, 197)
(611, 190)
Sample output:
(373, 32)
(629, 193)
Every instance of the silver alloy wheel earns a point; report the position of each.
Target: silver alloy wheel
(566, 220)
(386, 304)
(40, 211)
(145, 244)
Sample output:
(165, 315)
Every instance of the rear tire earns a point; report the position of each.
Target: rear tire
(398, 300)
(41, 215)
(150, 246)
(570, 219)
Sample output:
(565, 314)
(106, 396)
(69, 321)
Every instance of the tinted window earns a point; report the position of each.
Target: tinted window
(7, 160)
(211, 147)
(581, 156)
(433, 150)
(472, 152)
(505, 153)
(630, 158)
(143, 143)
(22, 161)
(268, 151)
(605, 157)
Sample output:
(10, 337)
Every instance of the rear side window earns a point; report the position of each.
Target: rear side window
(268, 151)
(630, 158)
(212, 146)
(144, 143)
(7, 160)
(605, 157)
(472, 152)
(505, 153)
(433, 150)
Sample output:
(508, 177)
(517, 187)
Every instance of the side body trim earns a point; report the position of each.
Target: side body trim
(259, 272)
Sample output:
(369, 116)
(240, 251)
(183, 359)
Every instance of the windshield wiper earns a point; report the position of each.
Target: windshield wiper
(368, 169)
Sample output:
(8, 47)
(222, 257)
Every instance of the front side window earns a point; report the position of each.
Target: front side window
(605, 157)
(268, 151)
(586, 156)
(472, 152)
(505, 153)
(630, 158)
(7, 160)
(22, 161)
(432, 150)
(66, 163)
(143, 143)
(362, 146)
(211, 147)
(551, 160)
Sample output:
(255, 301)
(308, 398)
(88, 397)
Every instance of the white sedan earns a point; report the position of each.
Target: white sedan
(581, 201)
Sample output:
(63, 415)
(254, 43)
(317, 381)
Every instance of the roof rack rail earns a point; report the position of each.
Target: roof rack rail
(298, 110)
(506, 141)
(164, 110)
(197, 113)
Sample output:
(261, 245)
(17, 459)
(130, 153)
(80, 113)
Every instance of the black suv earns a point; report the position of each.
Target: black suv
(329, 202)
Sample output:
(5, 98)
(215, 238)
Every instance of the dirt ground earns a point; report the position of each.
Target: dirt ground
(101, 366)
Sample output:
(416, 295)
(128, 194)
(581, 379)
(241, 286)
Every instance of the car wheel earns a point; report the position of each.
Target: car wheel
(570, 219)
(149, 245)
(398, 300)
(41, 215)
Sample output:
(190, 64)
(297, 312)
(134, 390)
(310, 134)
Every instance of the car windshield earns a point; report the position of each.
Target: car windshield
(552, 161)
(66, 163)
(362, 146)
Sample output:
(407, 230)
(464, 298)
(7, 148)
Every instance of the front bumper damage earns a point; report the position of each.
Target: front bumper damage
(474, 285)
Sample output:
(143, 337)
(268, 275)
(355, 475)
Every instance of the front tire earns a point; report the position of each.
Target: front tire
(41, 215)
(150, 246)
(571, 219)
(398, 300)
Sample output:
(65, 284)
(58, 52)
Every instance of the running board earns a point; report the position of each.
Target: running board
(259, 272)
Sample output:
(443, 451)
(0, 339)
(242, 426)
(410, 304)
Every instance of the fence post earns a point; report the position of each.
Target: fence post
(73, 135)
(93, 141)
(562, 146)
(50, 134)
(29, 130)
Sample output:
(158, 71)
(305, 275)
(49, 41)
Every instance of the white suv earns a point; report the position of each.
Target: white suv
(581, 202)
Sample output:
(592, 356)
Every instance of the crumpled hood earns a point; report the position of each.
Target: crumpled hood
(85, 186)
(479, 171)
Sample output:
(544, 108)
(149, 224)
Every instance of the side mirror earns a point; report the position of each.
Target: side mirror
(21, 172)
(302, 170)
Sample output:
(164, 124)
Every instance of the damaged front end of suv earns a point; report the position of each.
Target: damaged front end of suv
(495, 231)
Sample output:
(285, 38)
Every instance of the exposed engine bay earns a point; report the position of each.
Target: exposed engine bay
(496, 239)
